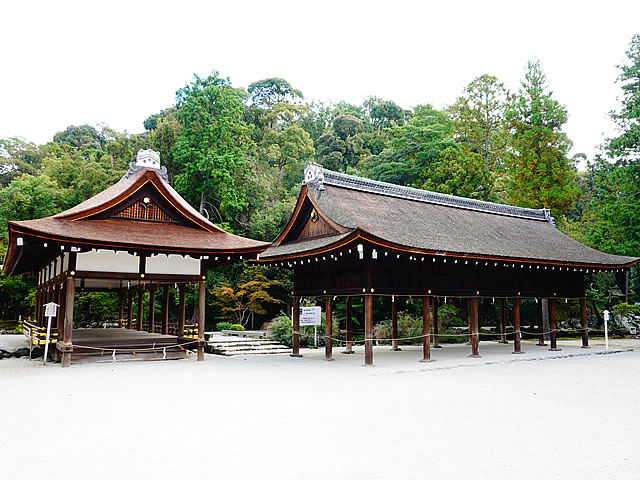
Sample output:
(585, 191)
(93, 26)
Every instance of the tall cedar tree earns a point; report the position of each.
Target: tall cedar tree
(540, 174)
(212, 146)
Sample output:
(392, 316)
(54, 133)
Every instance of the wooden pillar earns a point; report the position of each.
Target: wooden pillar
(503, 320)
(152, 308)
(140, 307)
(552, 325)
(349, 326)
(59, 318)
(368, 329)
(583, 322)
(436, 327)
(67, 331)
(130, 309)
(426, 330)
(296, 328)
(516, 325)
(394, 326)
(164, 328)
(201, 307)
(473, 320)
(36, 316)
(121, 307)
(328, 329)
(540, 325)
(181, 309)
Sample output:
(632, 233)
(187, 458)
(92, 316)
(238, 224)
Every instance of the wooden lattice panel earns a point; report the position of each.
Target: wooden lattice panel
(144, 211)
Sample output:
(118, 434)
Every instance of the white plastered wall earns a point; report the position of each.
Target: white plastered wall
(107, 261)
(173, 265)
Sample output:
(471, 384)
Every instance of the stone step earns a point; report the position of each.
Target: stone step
(241, 344)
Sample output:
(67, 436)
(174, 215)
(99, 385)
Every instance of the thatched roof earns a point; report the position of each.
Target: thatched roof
(430, 223)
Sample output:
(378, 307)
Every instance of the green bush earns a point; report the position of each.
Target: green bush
(624, 309)
(237, 327)
(409, 328)
(282, 331)
(224, 325)
(449, 316)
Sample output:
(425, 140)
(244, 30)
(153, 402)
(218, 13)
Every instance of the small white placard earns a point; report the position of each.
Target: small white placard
(309, 316)
(50, 309)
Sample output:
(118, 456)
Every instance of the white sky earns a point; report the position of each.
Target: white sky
(69, 63)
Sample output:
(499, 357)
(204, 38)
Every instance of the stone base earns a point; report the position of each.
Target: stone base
(555, 349)
(474, 356)
(541, 344)
(426, 361)
(585, 346)
(330, 359)
(519, 353)
(297, 355)
(348, 352)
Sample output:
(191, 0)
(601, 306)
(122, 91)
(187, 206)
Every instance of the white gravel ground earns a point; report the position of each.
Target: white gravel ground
(304, 418)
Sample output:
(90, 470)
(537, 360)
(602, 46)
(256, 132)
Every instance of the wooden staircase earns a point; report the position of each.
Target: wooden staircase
(235, 345)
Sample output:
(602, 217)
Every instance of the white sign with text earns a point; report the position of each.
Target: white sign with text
(309, 316)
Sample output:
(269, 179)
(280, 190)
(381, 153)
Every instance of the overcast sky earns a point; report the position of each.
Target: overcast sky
(70, 63)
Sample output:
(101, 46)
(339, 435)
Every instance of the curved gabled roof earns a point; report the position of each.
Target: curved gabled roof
(96, 223)
(418, 221)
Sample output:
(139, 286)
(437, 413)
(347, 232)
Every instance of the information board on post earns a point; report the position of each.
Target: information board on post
(310, 316)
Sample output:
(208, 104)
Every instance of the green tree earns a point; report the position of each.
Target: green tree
(540, 174)
(478, 119)
(343, 146)
(18, 156)
(211, 150)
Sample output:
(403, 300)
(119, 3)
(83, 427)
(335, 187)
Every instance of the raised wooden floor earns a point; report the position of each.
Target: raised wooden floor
(99, 344)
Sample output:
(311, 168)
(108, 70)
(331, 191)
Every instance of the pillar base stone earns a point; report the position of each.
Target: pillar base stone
(474, 356)
(519, 353)
(555, 349)
(347, 352)
(426, 361)
(296, 355)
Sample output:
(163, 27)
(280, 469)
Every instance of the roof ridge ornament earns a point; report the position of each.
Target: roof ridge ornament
(147, 159)
(314, 175)
(548, 217)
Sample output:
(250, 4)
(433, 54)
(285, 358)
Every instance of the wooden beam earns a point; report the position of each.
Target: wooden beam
(296, 328)
(552, 325)
(368, 330)
(181, 309)
(67, 331)
(394, 325)
(201, 325)
(164, 328)
(473, 322)
(130, 309)
(503, 320)
(348, 326)
(140, 308)
(516, 325)
(426, 330)
(436, 327)
(583, 322)
(328, 328)
(152, 307)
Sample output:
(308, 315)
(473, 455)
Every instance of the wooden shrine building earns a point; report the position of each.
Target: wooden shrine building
(138, 235)
(350, 236)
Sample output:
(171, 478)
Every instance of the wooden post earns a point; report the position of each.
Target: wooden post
(36, 316)
(121, 308)
(349, 326)
(503, 320)
(516, 325)
(59, 317)
(436, 327)
(164, 328)
(394, 326)
(140, 307)
(201, 307)
(328, 329)
(583, 322)
(552, 326)
(473, 320)
(296, 328)
(67, 345)
(152, 308)
(130, 309)
(426, 330)
(181, 309)
(368, 330)
(540, 325)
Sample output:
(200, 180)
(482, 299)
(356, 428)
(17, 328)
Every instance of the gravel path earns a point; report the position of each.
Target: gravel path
(289, 418)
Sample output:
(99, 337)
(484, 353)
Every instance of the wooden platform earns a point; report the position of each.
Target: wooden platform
(99, 344)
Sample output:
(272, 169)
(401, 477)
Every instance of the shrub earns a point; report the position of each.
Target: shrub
(449, 316)
(237, 327)
(409, 328)
(224, 325)
(281, 330)
(624, 309)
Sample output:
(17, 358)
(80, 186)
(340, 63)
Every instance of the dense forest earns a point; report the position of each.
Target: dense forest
(238, 156)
